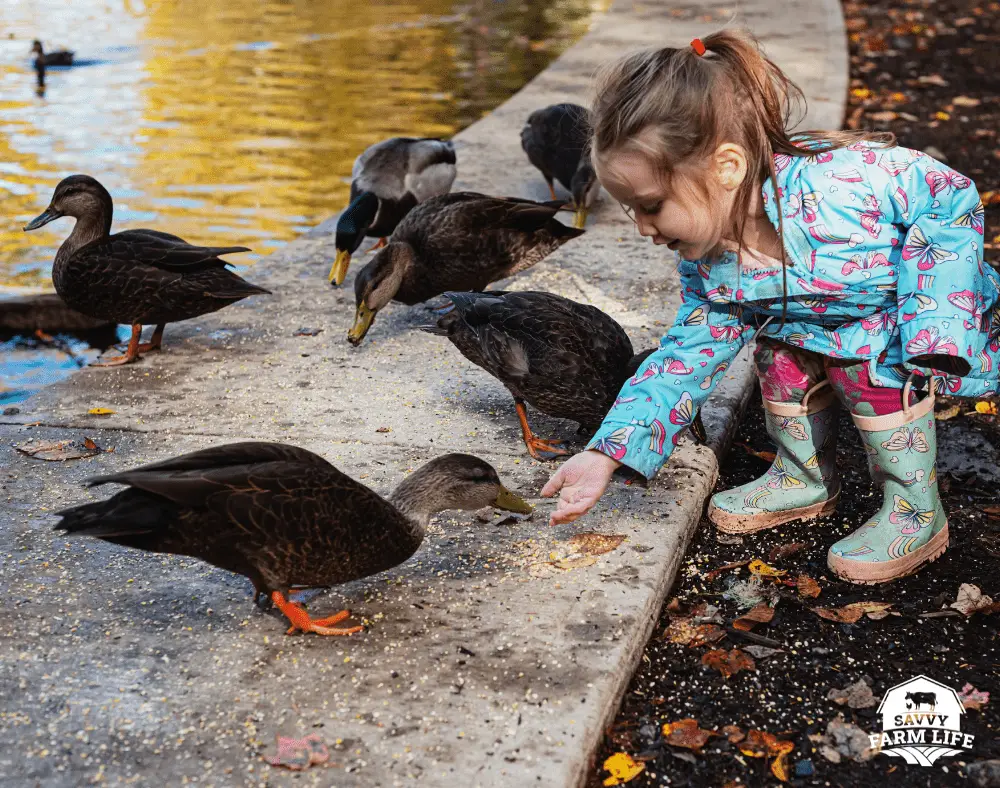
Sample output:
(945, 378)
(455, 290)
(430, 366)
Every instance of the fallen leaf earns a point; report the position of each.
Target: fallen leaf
(300, 754)
(948, 413)
(734, 733)
(759, 568)
(992, 511)
(933, 79)
(58, 451)
(577, 562)
(682, 631)
(850, 614)
(885, 116)
(759, 744)
(784, 551)
(704, 613)
(674, 605)
(972, 600)
(843, 740)
(622, 768)
(384, 429)
(728, 663)
(592, 543)
(100, 412)
(966, 101)
(986, 408)
(768, 456)
(716, 572)
(307, 332)
(762, 652)
(942, 116)
(972, 698)
(759, 614)
(686, 733)
(857, 696)
(807, 587)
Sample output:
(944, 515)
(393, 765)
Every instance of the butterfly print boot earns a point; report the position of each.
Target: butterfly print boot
(802, 483)
(911, 528)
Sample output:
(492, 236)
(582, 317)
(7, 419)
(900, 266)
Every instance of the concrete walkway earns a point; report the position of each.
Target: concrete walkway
(483, 665)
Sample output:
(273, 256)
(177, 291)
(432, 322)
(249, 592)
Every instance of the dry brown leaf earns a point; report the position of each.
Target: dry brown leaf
(971, 600)
(759, 744)
(857, 696)
(734, 733)
(58, 451)
(706, 635)
(992, 511)
(686, 733)
(784, 551)
(972, 698)
(850, 614)
(300, 754)
(674, 605)
(716, 572)
(947, 414)
(592, 543)
(807, 587)
(728, 663)
(684, 632)
(768, 456)
(759, 568)
(575, 562)
(759, 614)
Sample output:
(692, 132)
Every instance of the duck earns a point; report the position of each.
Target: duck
(134, 277)
(457, 241)
(62, 57)
(556, 139)
(567, 359)
(283, 517)
(388, 179)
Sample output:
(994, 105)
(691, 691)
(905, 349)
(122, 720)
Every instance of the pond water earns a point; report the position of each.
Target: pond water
(231, 122)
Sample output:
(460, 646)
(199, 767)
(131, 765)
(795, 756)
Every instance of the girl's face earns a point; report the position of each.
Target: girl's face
(678, 216)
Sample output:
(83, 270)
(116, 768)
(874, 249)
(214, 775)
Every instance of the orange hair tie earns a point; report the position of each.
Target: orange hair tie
(698, 47)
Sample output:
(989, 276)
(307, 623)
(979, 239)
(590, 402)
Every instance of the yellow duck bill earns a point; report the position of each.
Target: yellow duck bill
(511, 502)
(338, 271)
(363, 318)
(580, 218)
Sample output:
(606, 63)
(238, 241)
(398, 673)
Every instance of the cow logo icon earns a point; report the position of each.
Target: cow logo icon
(921, 722)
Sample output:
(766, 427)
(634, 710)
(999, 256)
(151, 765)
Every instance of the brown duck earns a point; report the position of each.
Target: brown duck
(283, 516)
(134, 277)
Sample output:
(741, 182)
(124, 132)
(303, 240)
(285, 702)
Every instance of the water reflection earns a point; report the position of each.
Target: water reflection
(234, 123)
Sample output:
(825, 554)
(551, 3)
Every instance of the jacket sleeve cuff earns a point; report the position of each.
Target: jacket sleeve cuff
(628, 444)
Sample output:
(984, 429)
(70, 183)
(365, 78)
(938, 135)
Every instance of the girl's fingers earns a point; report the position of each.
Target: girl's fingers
(567, 512)
(554, 484)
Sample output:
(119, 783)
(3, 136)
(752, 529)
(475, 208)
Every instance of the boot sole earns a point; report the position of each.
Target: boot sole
(875, 572)
(730, 523)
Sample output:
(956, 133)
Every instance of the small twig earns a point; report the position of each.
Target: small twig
(758, 639)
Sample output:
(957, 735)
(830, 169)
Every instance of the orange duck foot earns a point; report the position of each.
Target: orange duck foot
(538, 448)
(301, 622)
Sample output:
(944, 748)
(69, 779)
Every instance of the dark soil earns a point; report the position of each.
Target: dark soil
(929, 72)
(787, 693)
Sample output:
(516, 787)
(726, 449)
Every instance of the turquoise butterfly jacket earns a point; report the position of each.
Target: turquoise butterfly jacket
(885, 263)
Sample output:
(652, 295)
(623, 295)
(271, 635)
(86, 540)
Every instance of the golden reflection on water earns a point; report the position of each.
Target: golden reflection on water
(230, 122)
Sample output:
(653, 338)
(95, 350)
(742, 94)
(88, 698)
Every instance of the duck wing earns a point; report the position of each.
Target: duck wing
(566, 358)
(391, 168)
(160, 250)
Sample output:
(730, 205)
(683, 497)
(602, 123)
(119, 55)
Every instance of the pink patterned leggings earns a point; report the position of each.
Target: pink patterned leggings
(786, 373)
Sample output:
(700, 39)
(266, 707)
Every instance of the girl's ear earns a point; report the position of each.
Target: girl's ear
(730, 165)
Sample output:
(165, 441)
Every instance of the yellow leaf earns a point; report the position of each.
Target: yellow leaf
(761, 569)
(99, 412)
(942, 116)
(989, 408)
(861, 93)
(622, 769)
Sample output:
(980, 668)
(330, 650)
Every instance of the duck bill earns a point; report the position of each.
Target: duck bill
(511, 502)
(363, 318)
(580, 218)
(41, 220)
(338, 271)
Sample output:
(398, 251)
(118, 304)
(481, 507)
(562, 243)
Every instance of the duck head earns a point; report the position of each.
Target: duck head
(376, 285)
(454, 481)
(79, 196)
(584, 187)
(36, 48)
(351, 228)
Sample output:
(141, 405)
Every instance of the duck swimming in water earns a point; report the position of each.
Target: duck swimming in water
(556, 139)
(135, 277)
(459, 241)
(62, 57)
(388, 180)
(283, 516)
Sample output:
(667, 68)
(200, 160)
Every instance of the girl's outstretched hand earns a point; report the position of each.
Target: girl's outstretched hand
(580, 482)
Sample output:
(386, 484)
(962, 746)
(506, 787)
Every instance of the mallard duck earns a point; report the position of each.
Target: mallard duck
(388, 179)
(569, 360)
(283, 516)
(134, 277)
(556, 139)
(42, 58)
(460, 241)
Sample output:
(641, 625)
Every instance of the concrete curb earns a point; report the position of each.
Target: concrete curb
(507, 669)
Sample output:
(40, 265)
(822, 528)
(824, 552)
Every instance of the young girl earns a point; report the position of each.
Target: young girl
(856, 264)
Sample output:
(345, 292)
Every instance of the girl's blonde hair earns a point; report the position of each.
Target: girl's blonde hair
(675, 106)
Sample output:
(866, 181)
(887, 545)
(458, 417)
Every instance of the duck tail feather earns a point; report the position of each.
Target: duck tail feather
(132, 518)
